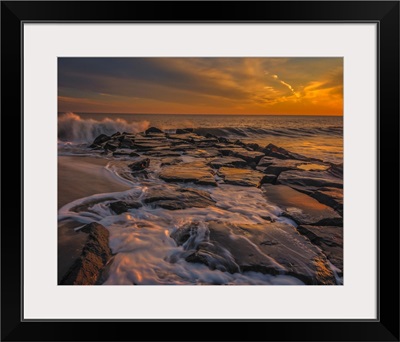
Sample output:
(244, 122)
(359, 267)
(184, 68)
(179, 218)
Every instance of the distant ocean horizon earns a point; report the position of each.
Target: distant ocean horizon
(220, 114)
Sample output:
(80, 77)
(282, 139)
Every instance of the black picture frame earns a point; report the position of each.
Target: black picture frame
(384, 13)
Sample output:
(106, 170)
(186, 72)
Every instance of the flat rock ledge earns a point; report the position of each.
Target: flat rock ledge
(89, 268)
(271, 248)
(329, 239)
(301, 208)
(196, 172)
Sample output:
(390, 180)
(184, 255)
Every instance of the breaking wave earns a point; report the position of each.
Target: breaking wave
(71, 127)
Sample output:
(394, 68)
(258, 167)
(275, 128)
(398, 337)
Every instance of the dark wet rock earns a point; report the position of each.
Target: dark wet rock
(140, 175)
(140, 165)
(177, 142)
(240, 152)
(300, 207)
(329, 239)
(230, 150)
(186, 137)
(151, 146)
(276, 166)
(102, 138)
(211, 256)
(331, 236)
(270, 248)
(88, 268)
(279, 152)
(182, 147)
(223, 140)
(203, 153)
(152, 130)
(207, 252)
(205, 144)
(116, 134)
(184, 130)
(254, 147)
(317, 179)
(332, 197)
(162, 153)
(223, 146)
(154, 138)
(111, 146)
(120, 207)
(228, 162)
(267, 161)
(196, 172)
(206, 181)
(119, 138)
(330, 221)
(96, 147)
(175, 198)
(249, 156)
(243, 177)
(191, 236)
(280, 165)
(268, 179)
(336, 170)
(267, 218)
(170, 161)
(125, 154)
(199, 257)
(126, 143)
(243, 251)
(183, 234)
(240, 143)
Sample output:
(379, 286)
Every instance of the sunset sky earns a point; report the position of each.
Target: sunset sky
(306, 86)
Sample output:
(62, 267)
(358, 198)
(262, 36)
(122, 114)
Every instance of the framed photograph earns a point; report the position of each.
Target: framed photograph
(200, 162)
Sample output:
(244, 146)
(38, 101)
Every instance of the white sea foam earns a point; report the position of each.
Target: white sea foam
(72, 128)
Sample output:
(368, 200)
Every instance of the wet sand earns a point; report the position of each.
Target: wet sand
(79, 177)
(84, 176)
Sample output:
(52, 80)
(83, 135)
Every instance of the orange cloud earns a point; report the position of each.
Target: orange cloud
(308, 86)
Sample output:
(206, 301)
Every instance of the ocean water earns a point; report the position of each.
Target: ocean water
(145, 252)
(313, 136)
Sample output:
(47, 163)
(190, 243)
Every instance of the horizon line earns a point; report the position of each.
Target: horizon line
(263, 114)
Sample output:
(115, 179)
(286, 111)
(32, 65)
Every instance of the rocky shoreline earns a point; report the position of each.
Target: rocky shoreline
(308, 191)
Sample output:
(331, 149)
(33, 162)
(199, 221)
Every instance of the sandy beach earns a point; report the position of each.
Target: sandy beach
(84, 176)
